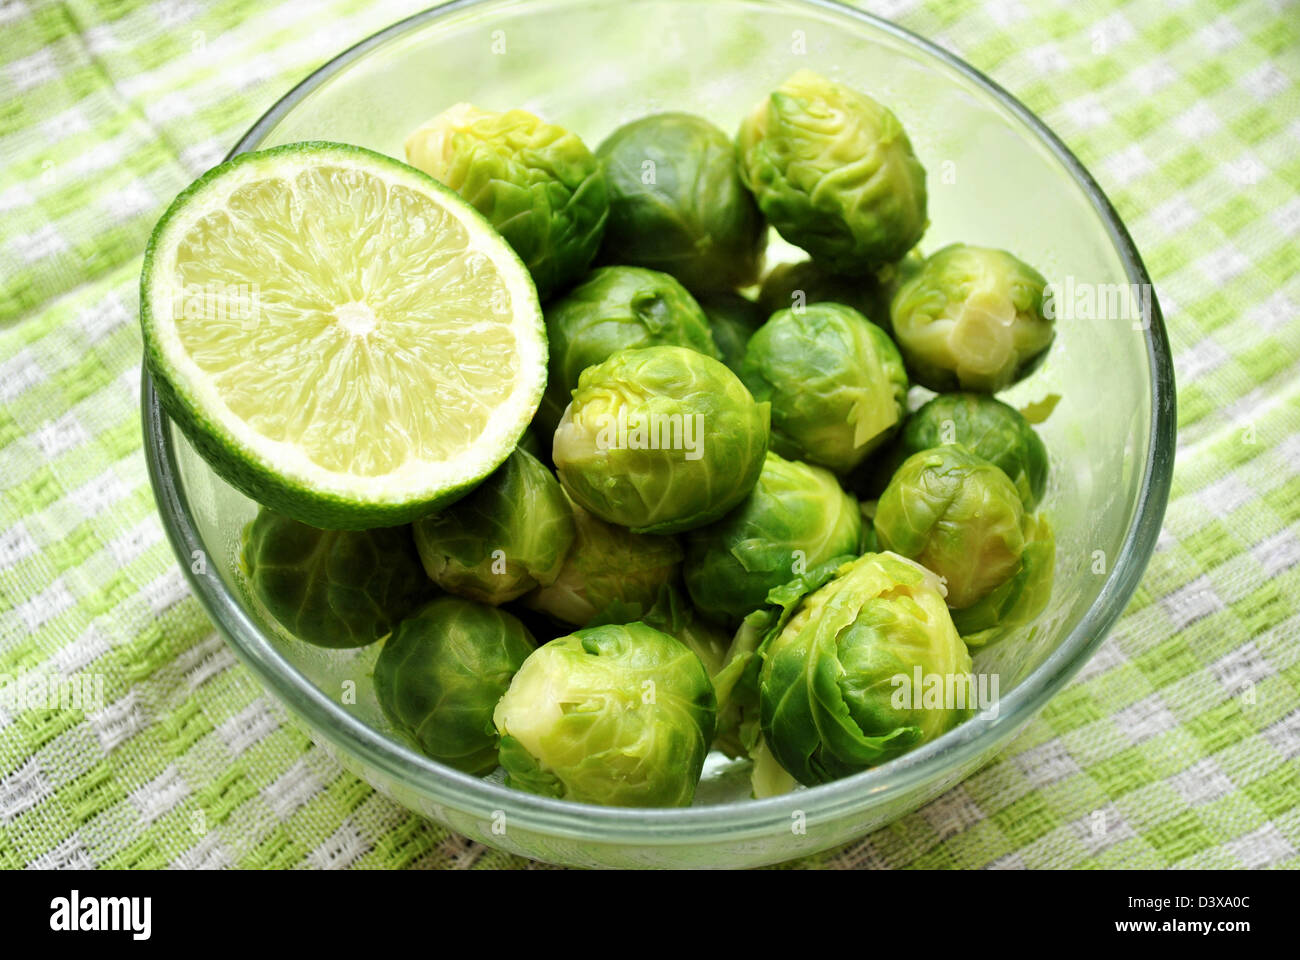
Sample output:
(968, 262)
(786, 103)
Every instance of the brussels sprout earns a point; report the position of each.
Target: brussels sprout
(677, 204)
(616, 308)
(835, 381)
(660, 440)
(987, 427)
(608, 567)
(333, 588)
(796, 518)
(734, 320)
(1017, 601)
(834, 172)
(831, 678)
(535, 182)
(795, 285)
(441, 673)
(955, 514)
(971, 319)
(620, 715)
(508, 536)
(768, 778)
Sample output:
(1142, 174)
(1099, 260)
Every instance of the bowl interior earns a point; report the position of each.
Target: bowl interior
(994, 180)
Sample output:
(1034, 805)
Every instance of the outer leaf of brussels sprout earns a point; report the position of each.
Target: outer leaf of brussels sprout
(535, 182)
(613, 309)
(955, 514)
(1018, 601)
(677, 203)
(796, 517)
(525, 772)
(736, 684)
(441, 673)
(971, 319)
(660, 440)
(607, 568)
(987, 427)
(1039, 410)
(333, 588)
(620, 715)
(768, 778)
(508, 536)
(834, 173)
(836, 383)
(734, 320)
(829, 678)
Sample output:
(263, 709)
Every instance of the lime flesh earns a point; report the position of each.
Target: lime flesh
(340, 336)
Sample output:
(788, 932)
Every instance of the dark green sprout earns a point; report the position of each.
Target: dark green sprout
(796, 518)
(333, 588)
(613, 309)
(677, 203)
(734, 319)
(509, 535)
(986, 426)
(441, 673)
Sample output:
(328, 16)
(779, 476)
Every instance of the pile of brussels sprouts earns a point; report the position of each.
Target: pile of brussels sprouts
(724, 527)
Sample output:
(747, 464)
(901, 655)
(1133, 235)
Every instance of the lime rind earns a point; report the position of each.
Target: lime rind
(275, 472)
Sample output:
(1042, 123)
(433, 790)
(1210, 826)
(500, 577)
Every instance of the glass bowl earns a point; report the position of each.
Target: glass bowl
(997, 177)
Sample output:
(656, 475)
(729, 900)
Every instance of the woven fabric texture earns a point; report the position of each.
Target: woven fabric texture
(1178, 745)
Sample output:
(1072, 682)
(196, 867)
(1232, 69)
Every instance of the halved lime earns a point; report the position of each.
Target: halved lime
(341, 337)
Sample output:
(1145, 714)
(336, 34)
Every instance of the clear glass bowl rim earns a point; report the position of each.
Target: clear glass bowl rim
(700, 824)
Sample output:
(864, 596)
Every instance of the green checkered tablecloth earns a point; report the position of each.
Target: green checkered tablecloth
(1181, 736)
